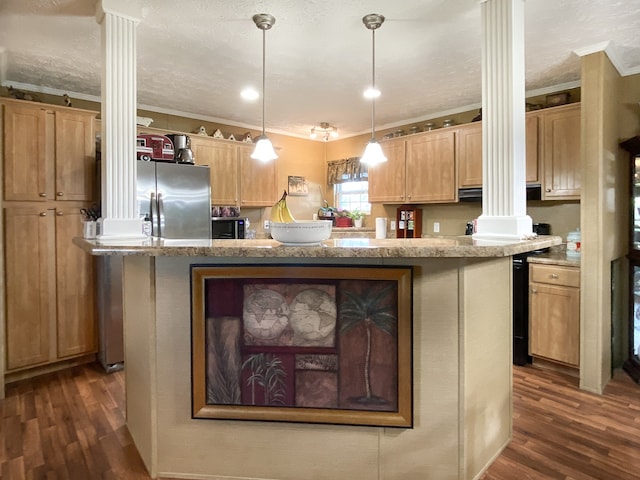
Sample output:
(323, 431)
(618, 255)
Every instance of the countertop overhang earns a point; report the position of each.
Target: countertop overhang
(434, 247)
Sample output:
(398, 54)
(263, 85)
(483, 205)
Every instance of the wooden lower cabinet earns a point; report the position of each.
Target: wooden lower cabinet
(554, 313)
(50, 311)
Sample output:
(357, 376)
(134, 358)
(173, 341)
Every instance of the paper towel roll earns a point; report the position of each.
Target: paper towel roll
(381, 227)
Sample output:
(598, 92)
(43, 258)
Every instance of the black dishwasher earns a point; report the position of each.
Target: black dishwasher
(521, 309)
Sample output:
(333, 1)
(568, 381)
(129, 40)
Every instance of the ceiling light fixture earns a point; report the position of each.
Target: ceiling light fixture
(373, 152)
(250, 94)
(264, 149)
(325, 131)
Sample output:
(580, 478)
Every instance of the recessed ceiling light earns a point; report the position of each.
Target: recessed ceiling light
(371, 93)
(250, 93)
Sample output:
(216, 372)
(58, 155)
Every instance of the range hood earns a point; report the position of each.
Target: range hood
(534, 192)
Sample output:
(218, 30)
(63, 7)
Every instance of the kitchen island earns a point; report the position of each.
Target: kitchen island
(461, 356)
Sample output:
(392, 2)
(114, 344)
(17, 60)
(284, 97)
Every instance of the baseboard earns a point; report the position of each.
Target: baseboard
(544, 364)
(23, 374)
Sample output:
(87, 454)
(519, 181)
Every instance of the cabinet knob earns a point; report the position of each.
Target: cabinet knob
(59, 213)
(554, 275)
(60, 194)
(533, 290)
(42, 194)
(43, 214)
(547, 190)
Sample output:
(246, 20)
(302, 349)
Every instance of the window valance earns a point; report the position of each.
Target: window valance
(346, 170)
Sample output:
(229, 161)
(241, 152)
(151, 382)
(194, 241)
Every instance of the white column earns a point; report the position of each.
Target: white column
(504, 200)
(118, 20)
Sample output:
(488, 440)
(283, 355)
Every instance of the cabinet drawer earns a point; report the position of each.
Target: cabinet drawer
(555, 275)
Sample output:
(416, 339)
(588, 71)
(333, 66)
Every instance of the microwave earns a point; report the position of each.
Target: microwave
(228, 227)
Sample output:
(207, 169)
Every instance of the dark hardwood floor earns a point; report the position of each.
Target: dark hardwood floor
(562, 432)
(70, 425)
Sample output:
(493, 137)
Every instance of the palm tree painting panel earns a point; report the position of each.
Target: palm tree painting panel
(319, 344)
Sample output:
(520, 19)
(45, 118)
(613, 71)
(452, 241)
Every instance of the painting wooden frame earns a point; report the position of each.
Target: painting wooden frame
(297, 186)
(307, 344)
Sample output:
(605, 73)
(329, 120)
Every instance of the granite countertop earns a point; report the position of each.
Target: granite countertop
(555, 256)
(453, 247)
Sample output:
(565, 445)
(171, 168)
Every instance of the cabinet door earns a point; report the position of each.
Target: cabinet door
(470, 155)
(554, 326)
(561, 153)
(431, 168)
(76, 325)
(25, 153)
(257, 180)
(387, 180)
(222, 159)
(30, 285)
(75, 155)
(532, 140)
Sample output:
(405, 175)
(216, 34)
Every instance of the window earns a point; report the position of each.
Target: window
(352, 195)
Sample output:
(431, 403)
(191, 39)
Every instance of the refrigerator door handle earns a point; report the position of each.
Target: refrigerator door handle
(155, 224)
(160, 215)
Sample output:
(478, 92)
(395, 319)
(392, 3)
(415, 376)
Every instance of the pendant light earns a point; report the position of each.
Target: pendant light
(264, 149)
(373, 152)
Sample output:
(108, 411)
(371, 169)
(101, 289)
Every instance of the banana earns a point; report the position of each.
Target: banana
(280, 212)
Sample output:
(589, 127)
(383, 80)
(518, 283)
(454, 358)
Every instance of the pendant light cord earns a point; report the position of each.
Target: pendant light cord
(264, 54)
(373, 86)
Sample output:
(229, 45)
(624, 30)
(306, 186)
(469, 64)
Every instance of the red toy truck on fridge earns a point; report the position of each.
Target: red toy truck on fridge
(154, 147)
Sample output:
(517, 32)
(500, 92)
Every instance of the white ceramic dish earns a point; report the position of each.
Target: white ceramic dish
(302, 232)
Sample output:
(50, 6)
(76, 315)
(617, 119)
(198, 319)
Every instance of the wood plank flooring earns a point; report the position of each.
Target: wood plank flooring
(70, 425)
(561, 432)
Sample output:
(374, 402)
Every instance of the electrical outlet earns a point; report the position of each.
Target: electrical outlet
(436, 227)
(266, 224)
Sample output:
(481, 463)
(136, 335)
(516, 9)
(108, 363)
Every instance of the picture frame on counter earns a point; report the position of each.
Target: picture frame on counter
(319, 344)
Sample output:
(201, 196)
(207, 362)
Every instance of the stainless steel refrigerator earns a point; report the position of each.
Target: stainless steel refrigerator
(177, 199)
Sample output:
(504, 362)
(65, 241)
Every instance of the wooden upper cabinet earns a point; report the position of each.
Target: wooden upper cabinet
(49, 153)
(222, 159)
(258, 181)
(387, 180)
(560, 130)
(431, 168)
(26, 168)
(30, 284)
(75, 155)
(470, 155)
(532, 141)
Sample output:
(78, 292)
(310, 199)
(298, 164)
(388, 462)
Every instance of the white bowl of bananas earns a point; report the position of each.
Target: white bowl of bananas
(289, 231)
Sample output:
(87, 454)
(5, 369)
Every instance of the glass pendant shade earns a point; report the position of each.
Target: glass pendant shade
(373, 154)
(264, 150)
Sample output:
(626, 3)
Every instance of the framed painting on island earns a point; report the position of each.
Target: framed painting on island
(307, 344)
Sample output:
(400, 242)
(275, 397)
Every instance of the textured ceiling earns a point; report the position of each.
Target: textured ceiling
(194, 56)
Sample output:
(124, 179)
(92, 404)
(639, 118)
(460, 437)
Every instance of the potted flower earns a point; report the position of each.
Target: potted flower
(327, 213)
(343, 218)
(357, 216)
